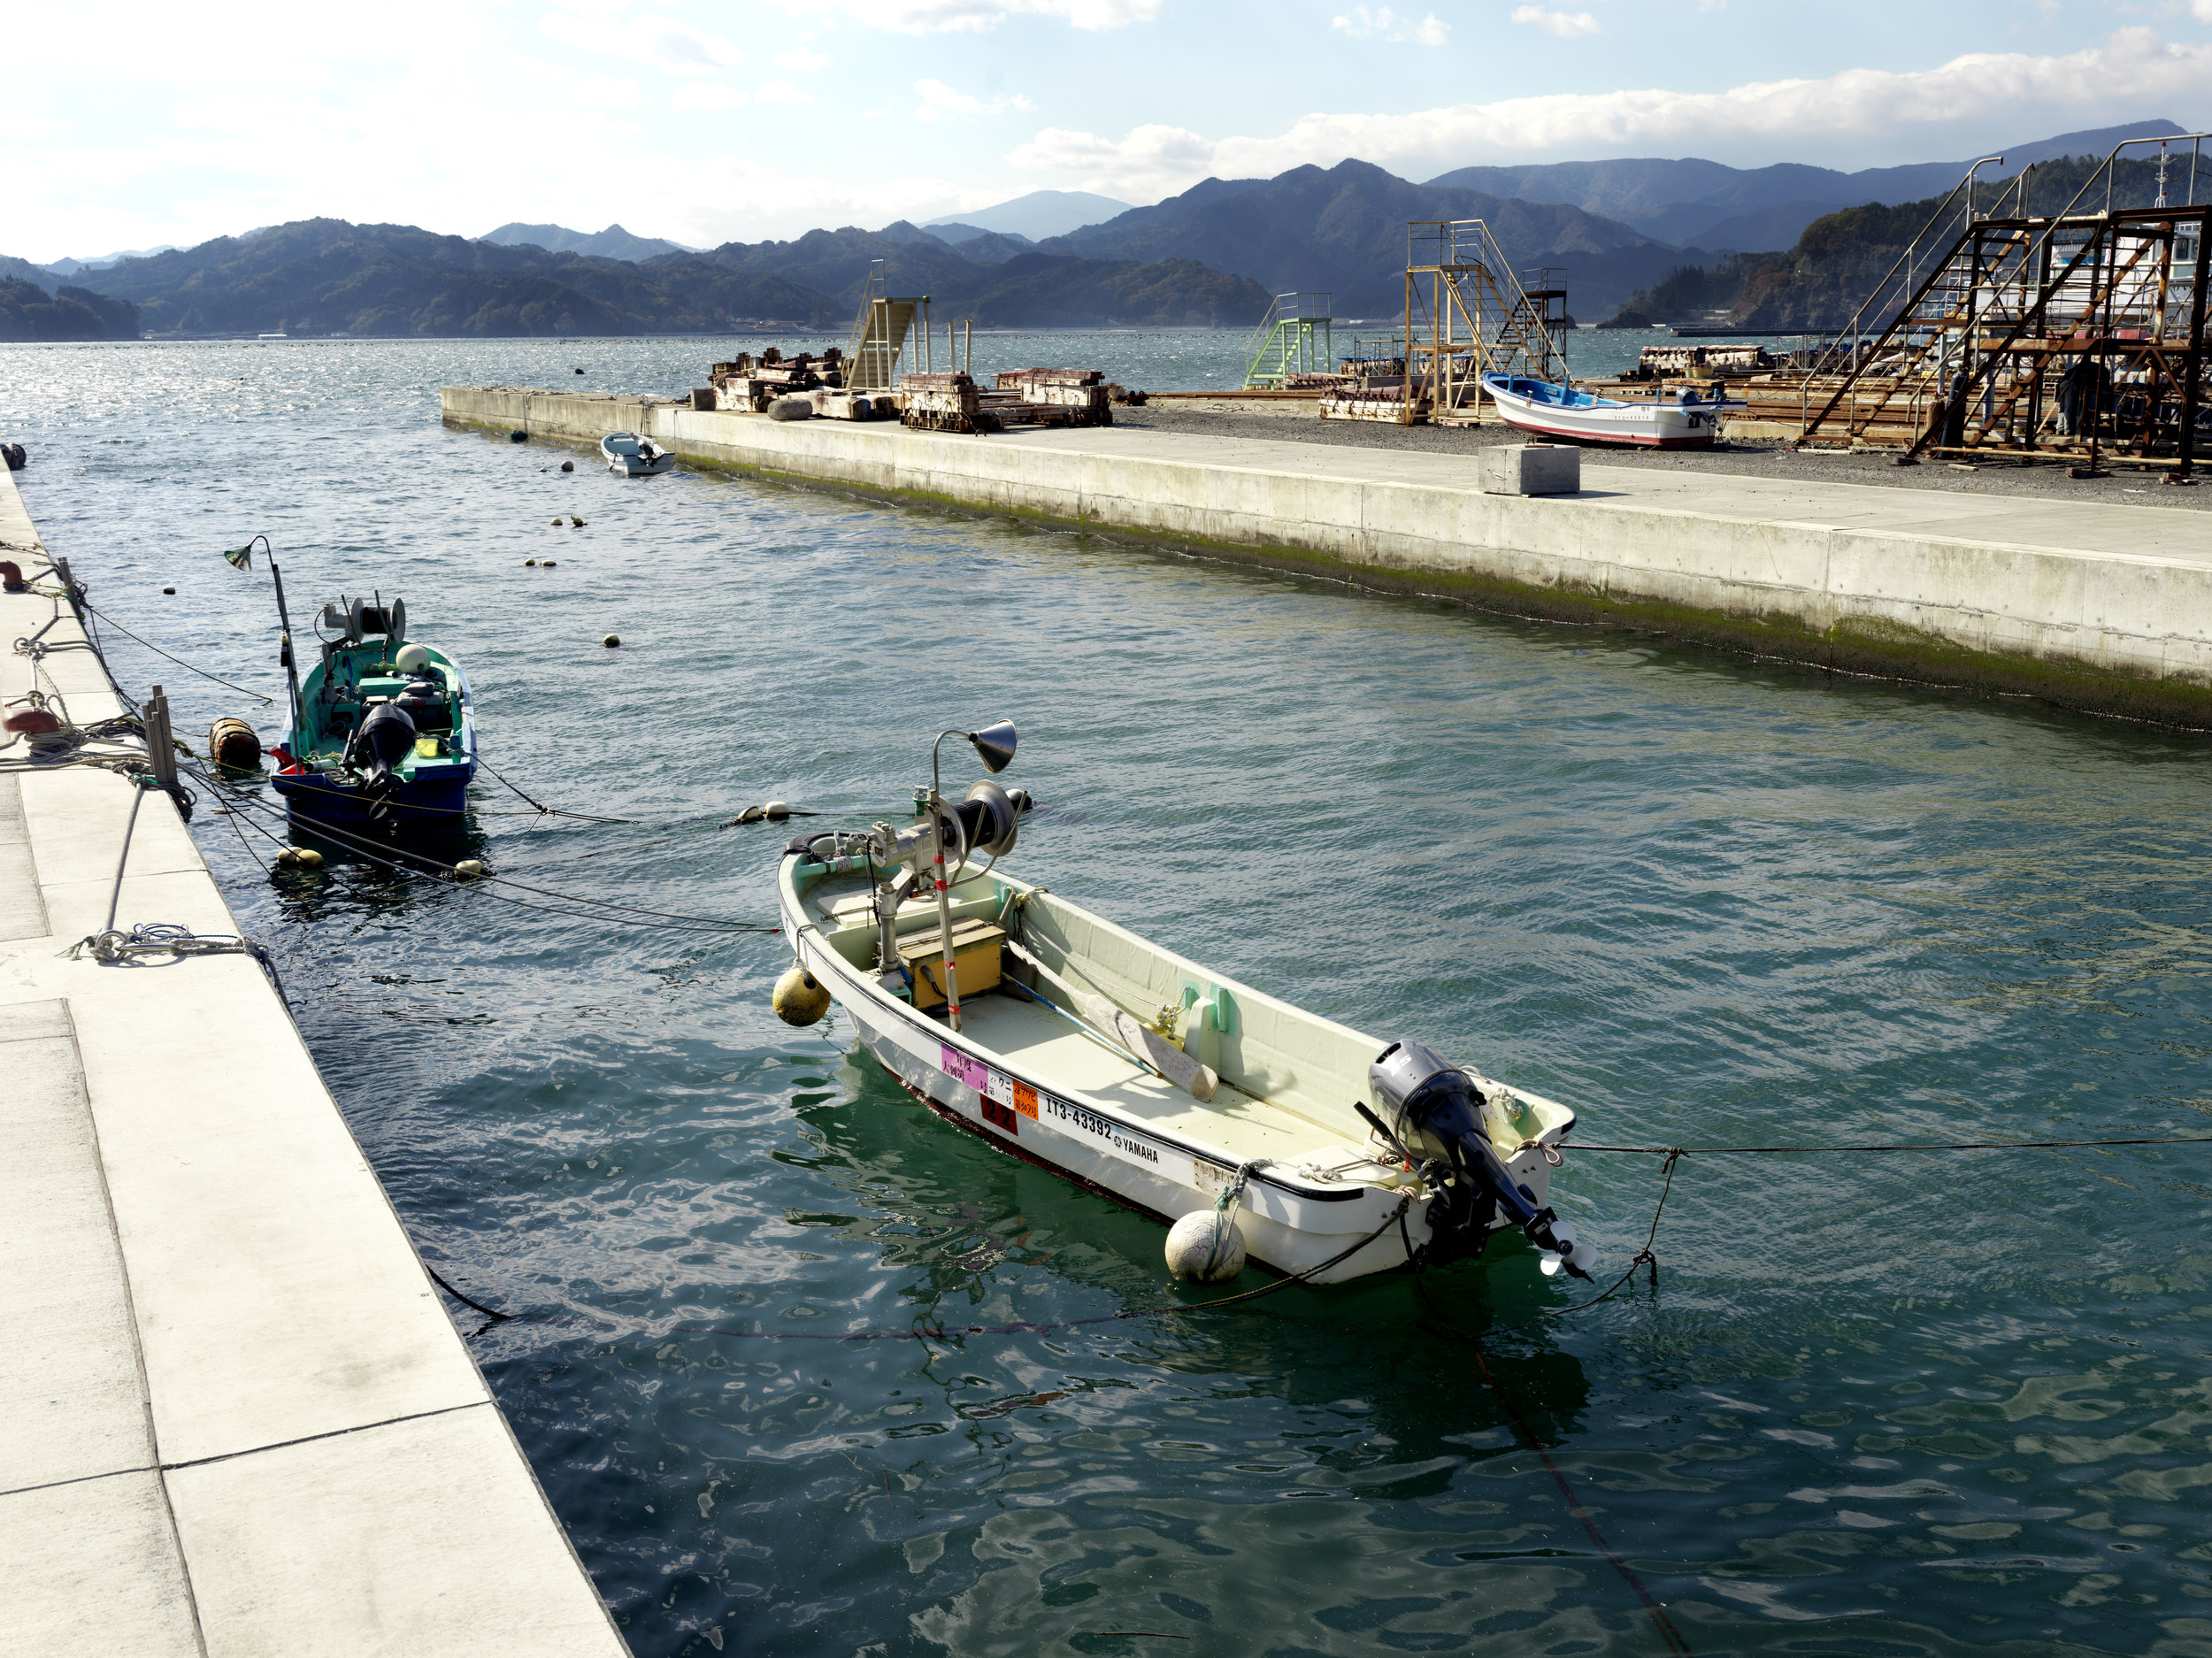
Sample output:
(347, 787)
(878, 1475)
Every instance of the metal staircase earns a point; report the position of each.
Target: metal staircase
(1292, 339)
(880, 334)
(1468, 315)
(2077, 334)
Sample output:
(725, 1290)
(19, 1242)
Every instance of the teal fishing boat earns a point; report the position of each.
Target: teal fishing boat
(383, 729)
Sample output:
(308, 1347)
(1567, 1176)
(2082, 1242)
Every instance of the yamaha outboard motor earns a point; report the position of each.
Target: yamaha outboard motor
(1435, 1112)
(382, 743)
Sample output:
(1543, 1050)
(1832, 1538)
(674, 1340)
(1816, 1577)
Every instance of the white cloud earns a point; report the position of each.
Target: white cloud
(781, 92)
(936, 17)
(2132, 70)
(940, 102)
(665, 44)
(707, 94)
(1362, 24)
(802, 60)
(2200, 10)
(1563, 24)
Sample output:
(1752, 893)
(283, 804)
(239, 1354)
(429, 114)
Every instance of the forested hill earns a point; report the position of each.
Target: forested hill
(29, 314)
(1341, 230)
(324, 276)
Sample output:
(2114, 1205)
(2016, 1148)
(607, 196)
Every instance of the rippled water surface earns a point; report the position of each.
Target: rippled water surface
(1950, 1403)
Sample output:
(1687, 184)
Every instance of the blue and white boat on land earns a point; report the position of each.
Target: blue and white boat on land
(1681, 421)
(383, 730)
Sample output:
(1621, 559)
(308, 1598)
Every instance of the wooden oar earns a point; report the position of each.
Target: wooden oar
(1171, 1062)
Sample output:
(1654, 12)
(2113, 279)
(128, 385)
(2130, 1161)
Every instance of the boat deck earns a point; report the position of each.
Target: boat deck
(1045, 1046)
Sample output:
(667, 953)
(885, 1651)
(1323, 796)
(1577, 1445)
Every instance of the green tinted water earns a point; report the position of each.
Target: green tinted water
(1947, 1404)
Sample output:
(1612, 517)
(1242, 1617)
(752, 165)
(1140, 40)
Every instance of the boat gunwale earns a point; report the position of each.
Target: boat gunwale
(792, 900)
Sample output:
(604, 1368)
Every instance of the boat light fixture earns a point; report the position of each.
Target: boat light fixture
(996, 743)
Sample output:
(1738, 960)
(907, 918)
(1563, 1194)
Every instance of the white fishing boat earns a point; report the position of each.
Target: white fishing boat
(1683, 420)
(634, 457)
(1073, 1044)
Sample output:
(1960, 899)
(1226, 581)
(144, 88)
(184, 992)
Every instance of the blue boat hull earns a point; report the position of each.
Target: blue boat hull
(420, 804)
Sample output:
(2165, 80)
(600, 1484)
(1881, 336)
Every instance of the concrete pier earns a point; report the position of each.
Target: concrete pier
(2107, 608)
(234, 1416)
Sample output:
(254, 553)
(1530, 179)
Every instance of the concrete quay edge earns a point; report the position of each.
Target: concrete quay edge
(2102, 608)
(234, 1416)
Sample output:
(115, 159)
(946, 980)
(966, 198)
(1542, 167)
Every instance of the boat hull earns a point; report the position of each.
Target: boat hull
(1292, 1224)
(629, 455)
(425, 803)
(1655, 425)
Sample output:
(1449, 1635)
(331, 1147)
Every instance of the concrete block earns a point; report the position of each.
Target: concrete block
(93, 1570)
(424, 1537)
(1532, 469)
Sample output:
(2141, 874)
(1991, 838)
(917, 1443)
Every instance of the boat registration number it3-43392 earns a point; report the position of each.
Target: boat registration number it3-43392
(1005, 1101)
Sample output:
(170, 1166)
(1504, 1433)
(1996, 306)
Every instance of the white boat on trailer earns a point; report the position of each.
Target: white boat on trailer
(1074, 1044)
(1685, 422)
(635, 456)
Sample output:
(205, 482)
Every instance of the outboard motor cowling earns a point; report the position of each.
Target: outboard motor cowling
(381, 742)
(1437, 1112)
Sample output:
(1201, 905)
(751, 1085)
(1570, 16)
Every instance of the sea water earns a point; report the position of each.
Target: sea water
(1880, 1403)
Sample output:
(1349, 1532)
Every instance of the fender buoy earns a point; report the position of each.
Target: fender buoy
(300, 858)
(517, 437)
(35, 722)
(800, 998)
(1205, 1246)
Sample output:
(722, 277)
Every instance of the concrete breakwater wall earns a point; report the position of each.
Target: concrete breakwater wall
(234, 1416)
(2107, 608)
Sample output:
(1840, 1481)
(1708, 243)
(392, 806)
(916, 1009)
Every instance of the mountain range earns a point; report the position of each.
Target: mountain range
(1212, 255)
(1729, 208)
(1037, 215)
(324, 276)
(613, 243)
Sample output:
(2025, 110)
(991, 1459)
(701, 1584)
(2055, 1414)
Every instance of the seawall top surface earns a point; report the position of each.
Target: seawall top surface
(2088, 528)
(2093, 527)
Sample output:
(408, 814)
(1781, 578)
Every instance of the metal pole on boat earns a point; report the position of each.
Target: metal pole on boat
(937, 870)
(285, 652)
(994, 744)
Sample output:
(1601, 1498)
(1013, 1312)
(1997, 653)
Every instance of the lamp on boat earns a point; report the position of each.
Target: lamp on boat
(994, 743)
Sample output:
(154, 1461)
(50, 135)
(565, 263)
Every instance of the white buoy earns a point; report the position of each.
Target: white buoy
(777, 810)
(800, 998)
(468, 869)
(1205, 1246)
(752, 814)
(300, 858)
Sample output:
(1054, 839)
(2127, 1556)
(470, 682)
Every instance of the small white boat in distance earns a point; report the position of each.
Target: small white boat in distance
(1075, 1045)
(635, 456)
(1686, 421)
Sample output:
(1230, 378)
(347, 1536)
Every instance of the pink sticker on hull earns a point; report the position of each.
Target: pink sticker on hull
(960, 1068)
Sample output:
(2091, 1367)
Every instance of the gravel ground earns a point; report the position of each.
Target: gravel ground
(2129, 485)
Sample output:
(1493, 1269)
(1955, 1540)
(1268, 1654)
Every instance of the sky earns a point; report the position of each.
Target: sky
(135, 124)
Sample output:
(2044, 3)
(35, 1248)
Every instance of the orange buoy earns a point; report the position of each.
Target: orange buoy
(35, 722)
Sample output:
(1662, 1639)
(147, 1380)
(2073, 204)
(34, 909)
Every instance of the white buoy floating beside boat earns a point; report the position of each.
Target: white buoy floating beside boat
(1206, 1247)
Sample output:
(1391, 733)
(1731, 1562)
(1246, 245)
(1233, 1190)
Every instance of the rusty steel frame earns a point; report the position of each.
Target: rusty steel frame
(2019, 304)
(1468, 285)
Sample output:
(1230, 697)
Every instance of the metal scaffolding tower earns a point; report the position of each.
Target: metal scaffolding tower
(1468, 315)
(2073, 335)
